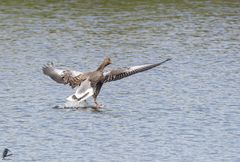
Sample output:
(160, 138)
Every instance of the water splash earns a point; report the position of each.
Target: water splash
(76, 104)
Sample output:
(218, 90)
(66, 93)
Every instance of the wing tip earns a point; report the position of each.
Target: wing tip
(47, 67)
(168, 59)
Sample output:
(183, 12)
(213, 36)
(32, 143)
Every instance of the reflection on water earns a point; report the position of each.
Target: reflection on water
(185, 110)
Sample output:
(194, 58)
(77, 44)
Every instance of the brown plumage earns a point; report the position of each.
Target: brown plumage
(94, 77)
(90, 83)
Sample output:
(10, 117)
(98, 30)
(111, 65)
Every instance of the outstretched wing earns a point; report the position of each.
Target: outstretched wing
(58, 75)
(116, 74)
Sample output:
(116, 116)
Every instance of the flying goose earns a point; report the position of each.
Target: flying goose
(90, 83)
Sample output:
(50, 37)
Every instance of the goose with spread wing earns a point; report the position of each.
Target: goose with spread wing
(90, 83)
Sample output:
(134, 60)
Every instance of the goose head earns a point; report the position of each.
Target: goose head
(105, 63)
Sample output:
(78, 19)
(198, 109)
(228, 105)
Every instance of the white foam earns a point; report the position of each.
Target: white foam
(76, 104)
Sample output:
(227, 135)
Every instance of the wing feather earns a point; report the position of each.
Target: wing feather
(117, 74)
(59, 74)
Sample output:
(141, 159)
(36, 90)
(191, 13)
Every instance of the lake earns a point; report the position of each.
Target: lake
(185, 110)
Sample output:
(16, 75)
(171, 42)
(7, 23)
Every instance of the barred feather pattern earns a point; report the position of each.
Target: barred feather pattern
(117, 74)
(76, 81)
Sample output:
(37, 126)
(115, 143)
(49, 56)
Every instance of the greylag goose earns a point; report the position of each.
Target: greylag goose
(90, 83)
